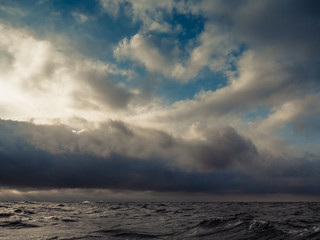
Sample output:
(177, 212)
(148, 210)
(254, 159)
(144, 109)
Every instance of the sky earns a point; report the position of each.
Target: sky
(160, 100)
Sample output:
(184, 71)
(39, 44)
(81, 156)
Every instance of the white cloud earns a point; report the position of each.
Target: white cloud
(14, 11)
(298, 111)
(215, 44)
(261, 80)
(40, 82)
(80, 17)
(111, 7)
(212, 47)
(143, 50)
(149, 12)
(160, 57)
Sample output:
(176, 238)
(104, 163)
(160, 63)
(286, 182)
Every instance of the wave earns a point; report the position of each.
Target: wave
(125, 233)
(232, 228)
(5, 215)
(17, 225)
(69, 220)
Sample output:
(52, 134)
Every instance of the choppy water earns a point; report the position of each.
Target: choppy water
(37, 220)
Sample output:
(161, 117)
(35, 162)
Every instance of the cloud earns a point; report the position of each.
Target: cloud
(53, 163)
(157, 55)
(296, 111)
(228, 26)
(150, 13)
(281, 26)
(36, 75)
(103, 89)
(13, 11)
(212, 48)
(111, 7)
(226, 147)
(80, 17)
(213, 51)
(260, 81)
(55, 157)
(218, 149)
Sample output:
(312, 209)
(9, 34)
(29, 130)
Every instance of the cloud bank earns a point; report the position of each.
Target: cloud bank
(45, 156)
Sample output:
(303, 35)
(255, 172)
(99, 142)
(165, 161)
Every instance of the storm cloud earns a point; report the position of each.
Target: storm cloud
(61, 162)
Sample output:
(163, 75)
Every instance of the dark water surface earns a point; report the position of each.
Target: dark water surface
(91, 220)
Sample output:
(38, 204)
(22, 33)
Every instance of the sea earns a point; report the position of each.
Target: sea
(159, 220)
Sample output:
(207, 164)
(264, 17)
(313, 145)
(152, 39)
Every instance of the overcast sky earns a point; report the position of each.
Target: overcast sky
(147, 99)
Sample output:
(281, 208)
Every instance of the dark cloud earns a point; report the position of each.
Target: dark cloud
(220, 149)
(284, 25)
(288, 175)
(290, 26)
(106, 91)
(287, 32)
(225, 150)
(25, 165)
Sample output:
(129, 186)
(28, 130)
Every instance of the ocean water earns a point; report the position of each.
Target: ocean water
(95, 220)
